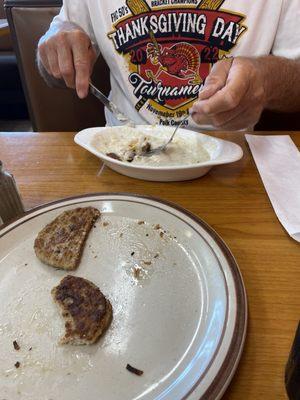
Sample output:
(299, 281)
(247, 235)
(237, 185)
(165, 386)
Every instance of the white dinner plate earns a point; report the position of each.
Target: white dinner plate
(181, 320)
(220, 152)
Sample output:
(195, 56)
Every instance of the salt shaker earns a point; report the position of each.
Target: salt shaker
(11, 205)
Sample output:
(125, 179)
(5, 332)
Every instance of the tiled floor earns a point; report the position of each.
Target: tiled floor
(21, 125)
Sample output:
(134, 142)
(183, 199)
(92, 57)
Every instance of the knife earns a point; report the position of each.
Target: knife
(109, 105)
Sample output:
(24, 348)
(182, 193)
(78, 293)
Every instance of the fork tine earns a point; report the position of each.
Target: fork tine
(163, 147)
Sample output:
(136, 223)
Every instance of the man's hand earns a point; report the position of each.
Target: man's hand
(69, 55)
(233, 96)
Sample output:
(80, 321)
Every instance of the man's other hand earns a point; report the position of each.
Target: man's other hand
(233, 96)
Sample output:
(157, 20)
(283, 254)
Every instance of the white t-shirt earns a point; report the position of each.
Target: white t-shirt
(160, 51)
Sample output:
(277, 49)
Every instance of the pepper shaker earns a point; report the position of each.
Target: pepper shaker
(11, 205)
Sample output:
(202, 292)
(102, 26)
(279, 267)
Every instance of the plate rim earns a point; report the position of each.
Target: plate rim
(227, 370)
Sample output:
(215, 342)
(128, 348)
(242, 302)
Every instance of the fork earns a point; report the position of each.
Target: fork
(163, 147)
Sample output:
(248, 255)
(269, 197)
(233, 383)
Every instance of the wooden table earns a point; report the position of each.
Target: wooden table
(231, 198)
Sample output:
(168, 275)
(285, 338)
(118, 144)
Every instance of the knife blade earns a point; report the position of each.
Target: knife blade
(108, 104)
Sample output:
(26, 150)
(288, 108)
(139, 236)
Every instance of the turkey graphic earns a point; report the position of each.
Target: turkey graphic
(171, 49)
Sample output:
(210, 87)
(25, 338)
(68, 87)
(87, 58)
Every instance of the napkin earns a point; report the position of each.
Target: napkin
(278, 162)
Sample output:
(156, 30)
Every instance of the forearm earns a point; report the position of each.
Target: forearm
(281, 83)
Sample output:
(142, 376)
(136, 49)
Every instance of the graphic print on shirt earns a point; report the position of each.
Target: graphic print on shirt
(170, 48)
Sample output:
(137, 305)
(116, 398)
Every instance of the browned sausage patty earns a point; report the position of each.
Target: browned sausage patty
(61, 243)
(86, 311)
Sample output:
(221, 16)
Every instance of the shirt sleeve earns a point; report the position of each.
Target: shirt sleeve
(73, 12)
(287, 40)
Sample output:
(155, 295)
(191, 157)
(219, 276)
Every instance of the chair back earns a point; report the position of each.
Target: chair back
(2, 12)
(50, 109)
(273, 121)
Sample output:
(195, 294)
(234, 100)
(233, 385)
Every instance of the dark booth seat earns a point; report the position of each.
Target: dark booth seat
(12, 99)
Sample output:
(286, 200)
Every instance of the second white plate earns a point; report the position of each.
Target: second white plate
(220, 151)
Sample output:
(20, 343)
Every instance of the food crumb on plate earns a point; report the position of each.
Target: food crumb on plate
(114, 156)
(134, 370)
(16, 345)
(17, 364)
(137, 272)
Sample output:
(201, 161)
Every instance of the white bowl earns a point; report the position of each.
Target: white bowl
(220, 151)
